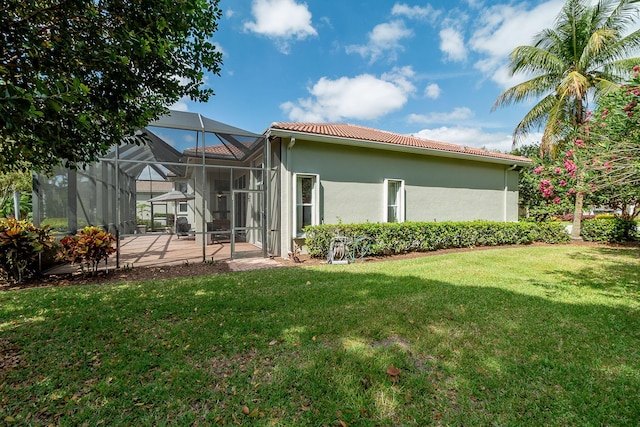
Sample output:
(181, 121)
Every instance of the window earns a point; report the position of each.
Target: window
(394, 200)
(183, 207)
(306, 202)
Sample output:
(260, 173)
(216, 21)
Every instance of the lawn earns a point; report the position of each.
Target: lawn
(540, 335)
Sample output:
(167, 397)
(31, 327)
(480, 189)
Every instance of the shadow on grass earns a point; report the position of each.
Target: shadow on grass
(312, 347)
(618, 276)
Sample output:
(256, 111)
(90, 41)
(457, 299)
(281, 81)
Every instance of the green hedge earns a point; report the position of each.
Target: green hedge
(392, 238)
(609, 230)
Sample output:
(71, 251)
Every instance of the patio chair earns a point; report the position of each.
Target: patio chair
(182, 227)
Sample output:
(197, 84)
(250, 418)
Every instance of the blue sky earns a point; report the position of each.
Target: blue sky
(431, 69)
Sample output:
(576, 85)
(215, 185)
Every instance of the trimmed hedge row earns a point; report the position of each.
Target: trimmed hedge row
(393, 238)
(609, 230)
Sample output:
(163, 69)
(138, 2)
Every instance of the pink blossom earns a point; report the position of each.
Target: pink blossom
(546, 188)
(563, 183)
(569, 153)
(579, 143)
(570, 166)
(538, 170)
(556, 200)
(604, 113)
(608, 165)
(558, 170)
(572, 191)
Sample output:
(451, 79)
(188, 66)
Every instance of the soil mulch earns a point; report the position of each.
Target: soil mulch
(199, 269)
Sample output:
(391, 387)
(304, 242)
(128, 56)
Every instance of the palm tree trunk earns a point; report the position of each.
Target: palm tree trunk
(577, 211)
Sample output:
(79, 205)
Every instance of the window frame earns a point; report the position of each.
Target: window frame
(400, 196)
(315, 201)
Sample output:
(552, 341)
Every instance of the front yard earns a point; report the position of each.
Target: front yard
(542, 335)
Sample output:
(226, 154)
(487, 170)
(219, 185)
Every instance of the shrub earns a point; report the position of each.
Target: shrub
(20, 244)
(87, 248)
(393, 238)
(609, 230)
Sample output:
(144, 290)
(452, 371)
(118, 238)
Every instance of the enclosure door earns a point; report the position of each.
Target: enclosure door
(247, 234)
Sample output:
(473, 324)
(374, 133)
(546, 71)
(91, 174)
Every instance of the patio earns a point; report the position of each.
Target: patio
(151, 249)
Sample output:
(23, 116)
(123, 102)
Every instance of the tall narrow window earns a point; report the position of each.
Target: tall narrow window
(306, 202)
(394, 198)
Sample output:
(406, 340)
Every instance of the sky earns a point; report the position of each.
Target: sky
(429, 69)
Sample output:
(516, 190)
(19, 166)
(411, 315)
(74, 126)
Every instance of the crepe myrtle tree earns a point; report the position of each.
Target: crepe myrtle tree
(77, 76)
(603, 161)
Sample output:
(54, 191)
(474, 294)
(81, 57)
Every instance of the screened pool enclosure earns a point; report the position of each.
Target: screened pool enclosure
(196, 181)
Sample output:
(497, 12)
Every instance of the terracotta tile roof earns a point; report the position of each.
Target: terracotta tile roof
(219, 150)
(341, 130)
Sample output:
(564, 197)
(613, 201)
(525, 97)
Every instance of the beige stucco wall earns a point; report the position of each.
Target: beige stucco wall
(436, 188)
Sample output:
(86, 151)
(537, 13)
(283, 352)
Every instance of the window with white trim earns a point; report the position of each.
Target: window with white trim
(394, 200)
(307, 197)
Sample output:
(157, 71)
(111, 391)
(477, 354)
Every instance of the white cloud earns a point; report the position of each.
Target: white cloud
(364, 97)
(504, 27)
(181, 104)
(432, 91)
(457, 115)
(452, 45)
(383, 39)
(416, 12)
(282, 21)
(470, 137)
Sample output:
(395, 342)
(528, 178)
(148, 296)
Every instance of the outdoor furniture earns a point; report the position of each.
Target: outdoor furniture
(182, 227)
(220, 229)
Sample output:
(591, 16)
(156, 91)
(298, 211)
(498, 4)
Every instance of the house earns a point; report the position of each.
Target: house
(330, 173)
(261, 190)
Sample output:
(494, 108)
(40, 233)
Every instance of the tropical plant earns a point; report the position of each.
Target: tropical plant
(585, 54)
(87, 248)
(20, 244)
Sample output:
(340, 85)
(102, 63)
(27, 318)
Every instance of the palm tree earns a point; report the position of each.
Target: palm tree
(585, 55)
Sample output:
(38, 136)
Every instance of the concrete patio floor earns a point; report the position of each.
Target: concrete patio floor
(147, 250)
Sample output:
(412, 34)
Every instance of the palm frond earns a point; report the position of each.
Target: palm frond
(531, 89)
(532, 59)
(624, 14)
(535, 118)
(597, 46)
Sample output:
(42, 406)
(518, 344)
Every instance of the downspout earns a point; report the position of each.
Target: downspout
(290, 196)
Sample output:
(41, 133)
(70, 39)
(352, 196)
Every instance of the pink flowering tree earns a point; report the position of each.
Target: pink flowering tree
(603, 161)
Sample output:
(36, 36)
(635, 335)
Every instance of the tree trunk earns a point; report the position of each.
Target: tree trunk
(577, 216)
(577, 211)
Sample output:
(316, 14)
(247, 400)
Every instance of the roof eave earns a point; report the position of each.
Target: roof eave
(393, 147)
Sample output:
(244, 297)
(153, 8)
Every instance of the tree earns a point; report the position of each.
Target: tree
(76, 77)
(10, 183)
(586, 54)
(605, 155)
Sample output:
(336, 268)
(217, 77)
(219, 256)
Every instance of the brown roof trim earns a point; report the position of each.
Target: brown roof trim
(365, 134)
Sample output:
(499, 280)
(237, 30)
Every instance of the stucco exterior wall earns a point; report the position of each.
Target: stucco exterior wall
(436, 188)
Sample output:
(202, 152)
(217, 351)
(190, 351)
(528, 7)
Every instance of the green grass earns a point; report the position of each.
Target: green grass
(508, 337)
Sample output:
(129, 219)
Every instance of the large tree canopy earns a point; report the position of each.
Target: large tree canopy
(77, 76)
